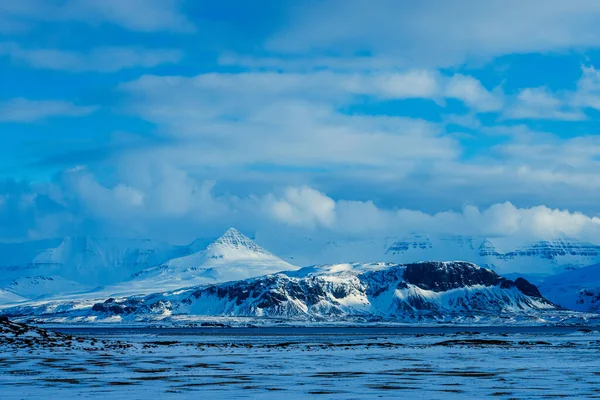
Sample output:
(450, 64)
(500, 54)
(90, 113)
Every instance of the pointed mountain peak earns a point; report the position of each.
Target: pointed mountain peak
(232, 232)
(233, 239)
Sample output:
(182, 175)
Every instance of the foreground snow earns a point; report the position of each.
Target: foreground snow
(340, 363)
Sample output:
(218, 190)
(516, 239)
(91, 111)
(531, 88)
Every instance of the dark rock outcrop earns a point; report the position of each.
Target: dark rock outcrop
(527, 288)
(440, 277)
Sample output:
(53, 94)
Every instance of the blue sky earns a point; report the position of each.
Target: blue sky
(176, 119)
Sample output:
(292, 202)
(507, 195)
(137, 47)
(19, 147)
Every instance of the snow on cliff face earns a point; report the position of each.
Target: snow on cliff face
(373, 292)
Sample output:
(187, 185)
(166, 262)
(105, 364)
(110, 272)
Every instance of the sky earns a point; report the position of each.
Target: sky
(175, 119)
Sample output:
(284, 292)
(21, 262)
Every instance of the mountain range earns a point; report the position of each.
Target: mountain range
(504, 255)
(380, 292)
(211, 277)
(91, 267)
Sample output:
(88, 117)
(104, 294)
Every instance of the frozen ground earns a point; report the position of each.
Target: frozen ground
(345, 363)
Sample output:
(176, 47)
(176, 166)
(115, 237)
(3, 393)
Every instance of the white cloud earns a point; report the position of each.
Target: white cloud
(588, 88)
(473, 93)
(282, 119)
(305, 64)
(136, 15)
(410, 84)
(303, 207)
(174, 206)
(427, 32)
(119, 202)
(24, 110)
(540, 103)
(499, 220)
(102, 59)
(294, 119)
(289, 128)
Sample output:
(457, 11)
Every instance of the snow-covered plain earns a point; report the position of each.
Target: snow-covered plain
(431, 363)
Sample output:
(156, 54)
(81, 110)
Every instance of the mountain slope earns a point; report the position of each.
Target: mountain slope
(8, 297)
(47, 269)
(576, 290)
(233, 256)
(429, 291)
(89, 260)
(85, 267)
(500, 254)
(34, 287)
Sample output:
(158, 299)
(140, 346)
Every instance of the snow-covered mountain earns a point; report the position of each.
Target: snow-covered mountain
(576, 289)
(94, 267)
(75, 264)
(500, 254)
(8, 297)
(429, 291)
(87, 260)
(233, 256)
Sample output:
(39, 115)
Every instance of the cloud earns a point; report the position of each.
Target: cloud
(364, 219)
(174, 206)
(470, 91)
(426, 34)
(281, 119)
(24, 110)
(301, 63)
(102, 59)
(333, 86)
(303, 207)
(540, 103)
(298, 119)
(588, 88)
(135, 15)
(281, 128)
(28, 211)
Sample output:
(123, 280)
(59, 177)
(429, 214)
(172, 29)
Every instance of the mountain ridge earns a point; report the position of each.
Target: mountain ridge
(428, 291)
(70, 267)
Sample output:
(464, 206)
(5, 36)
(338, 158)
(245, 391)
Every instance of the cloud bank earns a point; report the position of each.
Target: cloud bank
(173, 206)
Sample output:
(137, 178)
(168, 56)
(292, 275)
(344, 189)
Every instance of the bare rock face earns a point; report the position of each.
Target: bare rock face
(441, 277)
(527, 288)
